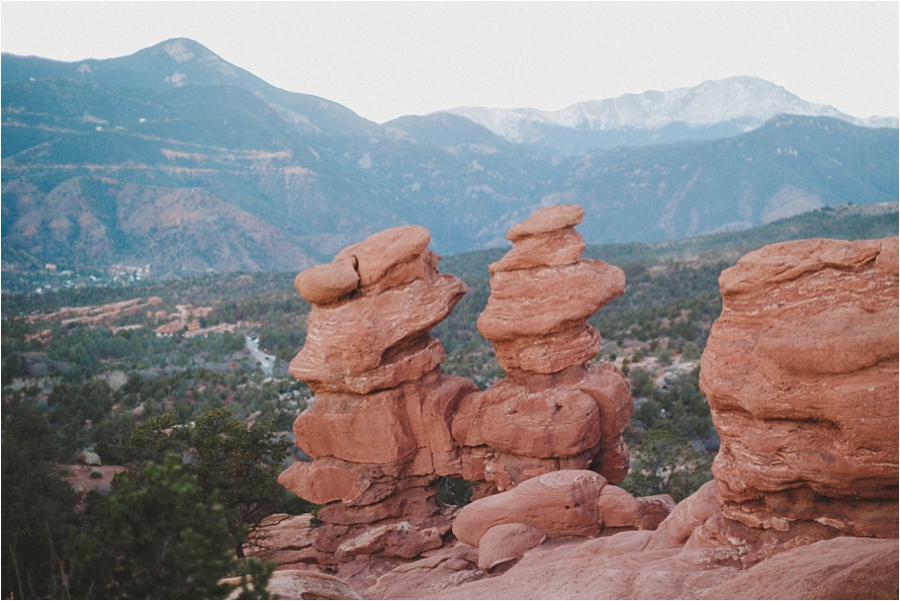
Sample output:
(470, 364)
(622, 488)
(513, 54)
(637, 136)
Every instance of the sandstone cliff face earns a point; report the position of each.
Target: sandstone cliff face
(554, 410)
(800, 372)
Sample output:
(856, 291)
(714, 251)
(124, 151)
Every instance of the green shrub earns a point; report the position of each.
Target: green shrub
(691, 351)
(641, 382)
(665, 463)
(454, 491)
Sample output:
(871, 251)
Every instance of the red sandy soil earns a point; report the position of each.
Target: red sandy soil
(79, 476)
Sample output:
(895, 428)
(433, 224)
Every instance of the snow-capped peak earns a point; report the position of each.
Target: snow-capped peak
(743, 99)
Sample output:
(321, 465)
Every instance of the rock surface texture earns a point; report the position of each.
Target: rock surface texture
(801, 373)
(554, 410)
(379, 428)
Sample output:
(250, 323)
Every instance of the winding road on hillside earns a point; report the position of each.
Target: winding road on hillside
(267, 362)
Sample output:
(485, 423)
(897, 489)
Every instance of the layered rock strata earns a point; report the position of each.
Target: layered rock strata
(801, 374)
(379, 428)
(554, 410)
(385, 423)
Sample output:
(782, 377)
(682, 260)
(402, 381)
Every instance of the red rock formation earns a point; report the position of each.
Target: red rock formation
(557, 504)
(801, 374)
(379, 426)
(371, 333)
(385, 424)
(301, 584)
(554, 410)
(800, 370)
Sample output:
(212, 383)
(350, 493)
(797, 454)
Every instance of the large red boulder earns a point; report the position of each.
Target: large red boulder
(801, 374)
(562, 503)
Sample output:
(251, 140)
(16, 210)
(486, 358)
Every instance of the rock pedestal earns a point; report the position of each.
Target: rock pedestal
(379, 428)
(554, 410)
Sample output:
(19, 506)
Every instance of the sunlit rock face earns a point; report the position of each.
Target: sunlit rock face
(801, 374)
(379, 428)
(555, 410)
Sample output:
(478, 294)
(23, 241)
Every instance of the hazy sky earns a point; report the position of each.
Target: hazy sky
(386, 59)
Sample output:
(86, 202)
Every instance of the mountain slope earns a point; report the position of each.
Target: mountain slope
(845, 222)
(116, 165)
(788, 166)
(217, 154)
(182, 62)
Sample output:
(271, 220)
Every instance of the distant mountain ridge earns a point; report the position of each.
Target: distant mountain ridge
(182, 62)
(174, 158)
(713, 109)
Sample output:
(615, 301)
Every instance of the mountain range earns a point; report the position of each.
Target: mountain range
(174, 158)
(713, 109)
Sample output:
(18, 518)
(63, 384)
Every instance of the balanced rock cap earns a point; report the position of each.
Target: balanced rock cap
(546, 220)
(378, 253)
(323, 284)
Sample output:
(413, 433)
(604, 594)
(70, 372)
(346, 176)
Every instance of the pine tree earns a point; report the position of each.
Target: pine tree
(155, 536)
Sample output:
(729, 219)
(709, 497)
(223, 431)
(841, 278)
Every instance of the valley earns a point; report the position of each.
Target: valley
(90, 368)
(189, 334)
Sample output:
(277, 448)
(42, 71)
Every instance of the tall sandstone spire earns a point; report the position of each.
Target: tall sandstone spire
(555, 409)
(385, 424)
(379, 427)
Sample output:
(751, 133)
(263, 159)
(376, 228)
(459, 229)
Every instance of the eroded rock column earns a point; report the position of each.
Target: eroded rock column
(801, 374)
(379, 428)
(554, 410)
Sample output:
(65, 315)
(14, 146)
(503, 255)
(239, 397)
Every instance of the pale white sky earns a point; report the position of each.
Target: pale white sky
(386, 59)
